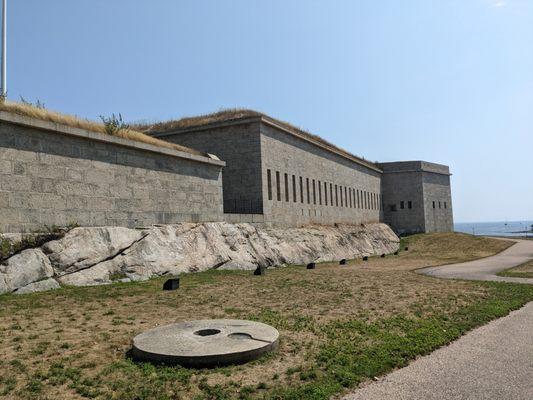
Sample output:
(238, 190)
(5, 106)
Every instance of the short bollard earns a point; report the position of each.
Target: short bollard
(365, 258)
(311, 265)
(260, 270)
(171, 284)
(383, 256)
(343, 261)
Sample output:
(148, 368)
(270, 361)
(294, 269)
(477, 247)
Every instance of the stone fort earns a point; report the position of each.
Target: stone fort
(235, 166)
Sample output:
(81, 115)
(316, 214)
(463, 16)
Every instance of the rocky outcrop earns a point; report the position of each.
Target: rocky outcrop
(92, 256)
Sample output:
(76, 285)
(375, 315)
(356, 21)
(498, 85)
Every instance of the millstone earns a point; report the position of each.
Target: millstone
(205, 343)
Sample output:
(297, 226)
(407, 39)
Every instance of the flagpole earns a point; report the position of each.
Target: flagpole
(4, 48)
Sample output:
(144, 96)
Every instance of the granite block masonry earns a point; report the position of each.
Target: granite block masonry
(292, 178)
(56, 175)
(264, 171)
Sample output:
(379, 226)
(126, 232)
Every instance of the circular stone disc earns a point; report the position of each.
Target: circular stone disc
(206, 343)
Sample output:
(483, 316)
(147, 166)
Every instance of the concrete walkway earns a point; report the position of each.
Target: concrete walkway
(485, 269)
(494, 361)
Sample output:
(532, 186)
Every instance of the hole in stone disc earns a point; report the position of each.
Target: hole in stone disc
(240, 336)
(207, 332)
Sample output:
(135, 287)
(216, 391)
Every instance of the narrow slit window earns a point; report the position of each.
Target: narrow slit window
(336, 196)
(340, 189)
(331, 193)
(433, 204)
(301, 190)
(314, 192)
(294, 188)
(350, 196)
(409, 204)
(402, 205)
(445, 205)
(269, 184)
(319, 193)
(308, 193)
(345, 197)
(325, 193)
(439, 204)
(286, 188)
(278, 186)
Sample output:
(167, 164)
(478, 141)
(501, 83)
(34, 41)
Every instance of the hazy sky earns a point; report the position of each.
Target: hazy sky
(448, 81)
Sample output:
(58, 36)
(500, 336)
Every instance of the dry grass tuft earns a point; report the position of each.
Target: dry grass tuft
(234, 114)
(44, 114)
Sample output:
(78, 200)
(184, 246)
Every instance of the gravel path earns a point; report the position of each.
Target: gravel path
(494, 361)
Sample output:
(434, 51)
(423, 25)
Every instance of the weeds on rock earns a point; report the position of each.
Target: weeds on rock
(10, 247)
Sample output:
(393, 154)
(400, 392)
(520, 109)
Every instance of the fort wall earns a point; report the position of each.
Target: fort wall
(53, 174)
(305, 184)
(239, 146)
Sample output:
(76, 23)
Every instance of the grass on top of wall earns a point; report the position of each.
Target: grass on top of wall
(339, 326)
(233, 114)
(39, 112)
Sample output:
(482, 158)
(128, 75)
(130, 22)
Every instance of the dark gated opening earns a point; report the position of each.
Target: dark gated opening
(243, 206)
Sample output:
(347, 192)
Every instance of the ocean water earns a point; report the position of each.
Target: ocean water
(503, 228)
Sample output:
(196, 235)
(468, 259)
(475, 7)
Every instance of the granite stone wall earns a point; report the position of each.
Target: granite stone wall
(239, 146)
(438, 202)
(308, 184)
(417, 197)
(52, 174)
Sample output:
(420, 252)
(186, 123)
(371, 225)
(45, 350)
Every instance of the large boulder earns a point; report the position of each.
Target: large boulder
(24, 268)
(41, 286)
(84, 247)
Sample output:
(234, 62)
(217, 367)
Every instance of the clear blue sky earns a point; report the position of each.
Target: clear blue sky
(448, 81)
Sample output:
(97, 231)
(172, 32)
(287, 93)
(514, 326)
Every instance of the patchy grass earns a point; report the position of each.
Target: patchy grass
(339, 326)
(38, 112)
(522, 271)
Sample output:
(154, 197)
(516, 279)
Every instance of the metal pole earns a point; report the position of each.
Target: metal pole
(4, 48)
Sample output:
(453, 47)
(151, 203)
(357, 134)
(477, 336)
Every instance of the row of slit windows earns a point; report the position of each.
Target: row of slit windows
(441, 204)
(409, 205)
(311, 191)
